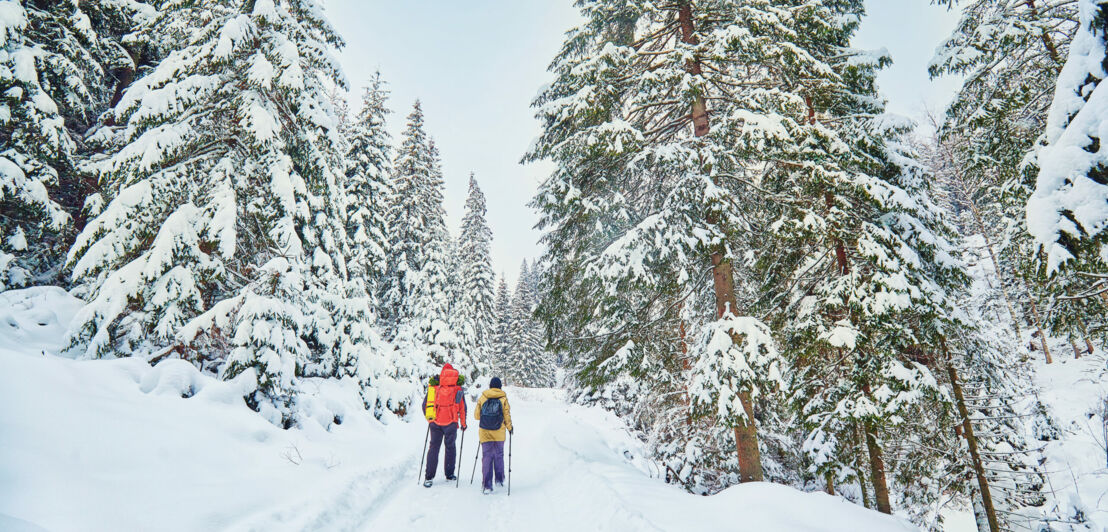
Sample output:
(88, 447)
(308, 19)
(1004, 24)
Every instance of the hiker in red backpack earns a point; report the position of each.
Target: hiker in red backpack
(444, 407)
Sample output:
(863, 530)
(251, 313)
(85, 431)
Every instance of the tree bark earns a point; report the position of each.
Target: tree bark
(1085, 337)
(746, 433)
(876, 463)
(877, 470)
(1039, 326)
(858, 466)
(830, 483)
(1048, 43)
(967, 433)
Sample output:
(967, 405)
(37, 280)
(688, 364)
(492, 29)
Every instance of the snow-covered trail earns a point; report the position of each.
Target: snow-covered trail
(573, 468)
(113, 445)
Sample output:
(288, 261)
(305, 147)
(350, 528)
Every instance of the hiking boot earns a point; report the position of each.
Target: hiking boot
(451, 478)
(427, 483)
(486, 491)
(500, 484)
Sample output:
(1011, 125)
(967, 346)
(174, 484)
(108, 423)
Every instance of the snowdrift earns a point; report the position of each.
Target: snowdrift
(119, 445)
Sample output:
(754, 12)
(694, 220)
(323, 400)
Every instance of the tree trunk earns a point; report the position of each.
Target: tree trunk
(829, 478)
(1048, 43)
(1076, 350)
(858, 466)
(1039, 326)
(1085, 336)
(877, 470)
(746, 434)
(967, 433)
(686, 364)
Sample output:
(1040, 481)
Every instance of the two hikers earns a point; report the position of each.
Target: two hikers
(495, 416)
(445, 408)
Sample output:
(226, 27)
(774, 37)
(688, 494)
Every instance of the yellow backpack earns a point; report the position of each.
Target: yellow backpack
(430, 413)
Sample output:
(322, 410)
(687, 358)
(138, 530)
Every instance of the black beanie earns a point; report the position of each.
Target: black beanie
(495, 382)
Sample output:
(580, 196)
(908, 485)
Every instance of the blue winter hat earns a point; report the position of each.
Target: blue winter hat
(495, 382)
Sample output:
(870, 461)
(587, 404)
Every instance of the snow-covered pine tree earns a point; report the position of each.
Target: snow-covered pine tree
(341, 107)
(408, 219)
(657, 120)
(416, 302)
(369, 186)
(860, 270)
(224, 202)
(498, 355)
(57, 61)
(385, 373)
(527, 363)
(1009, 53)
(477, 307)
(1068, 213)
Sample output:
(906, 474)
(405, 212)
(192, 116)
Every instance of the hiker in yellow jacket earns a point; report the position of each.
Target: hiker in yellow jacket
(495, 416)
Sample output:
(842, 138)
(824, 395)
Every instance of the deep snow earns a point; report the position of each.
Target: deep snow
(120, 445)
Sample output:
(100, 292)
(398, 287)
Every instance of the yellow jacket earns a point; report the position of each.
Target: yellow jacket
(494, 435)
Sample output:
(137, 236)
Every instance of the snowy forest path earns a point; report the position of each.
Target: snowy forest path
(568, 467)
(573, 467)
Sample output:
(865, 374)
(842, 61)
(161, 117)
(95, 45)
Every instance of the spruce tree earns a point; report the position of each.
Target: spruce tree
(408, 218)
(417, 300)
(222, 229)
(861, 269)
(657, 120)
(369, 186)
(526, 362)
(1009, 54)
(477, 308)
(1068, 212)
(498, 355)
(57, 62)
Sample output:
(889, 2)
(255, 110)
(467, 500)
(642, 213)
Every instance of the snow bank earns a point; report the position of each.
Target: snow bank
(34, 320)
(1076, 393)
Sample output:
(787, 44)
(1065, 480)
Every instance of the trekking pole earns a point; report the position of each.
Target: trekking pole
(423, 455)
(461, 446)
(509, 464)
(474, 472)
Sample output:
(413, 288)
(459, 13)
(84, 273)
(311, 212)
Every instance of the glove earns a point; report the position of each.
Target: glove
(463, 428)
(512, 430)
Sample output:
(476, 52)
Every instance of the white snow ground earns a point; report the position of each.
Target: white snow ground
(1076, 391)
(114, 445)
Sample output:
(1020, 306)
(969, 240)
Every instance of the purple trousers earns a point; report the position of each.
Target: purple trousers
(492, 456)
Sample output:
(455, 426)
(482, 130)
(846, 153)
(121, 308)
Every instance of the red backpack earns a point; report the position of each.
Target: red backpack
(447, 410)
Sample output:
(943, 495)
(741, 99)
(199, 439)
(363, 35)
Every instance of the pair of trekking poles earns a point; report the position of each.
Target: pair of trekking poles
(461, 446)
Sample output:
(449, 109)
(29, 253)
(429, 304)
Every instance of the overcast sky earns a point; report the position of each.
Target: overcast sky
(476, 66)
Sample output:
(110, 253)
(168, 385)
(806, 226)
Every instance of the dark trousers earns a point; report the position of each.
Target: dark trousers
(492, 457)
(439, 433)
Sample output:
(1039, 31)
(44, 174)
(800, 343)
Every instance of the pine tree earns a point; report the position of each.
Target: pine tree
(476, 308)
(1068, 212)
(407, 216)
(57, 60)
(660, 120)
(997, 118)
(222, 225)
(499, 353)
(526, 362)
(417, 300)
(369, 187)
(861, 269)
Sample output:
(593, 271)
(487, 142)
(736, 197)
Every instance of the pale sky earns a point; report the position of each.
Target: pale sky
(476, 65)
